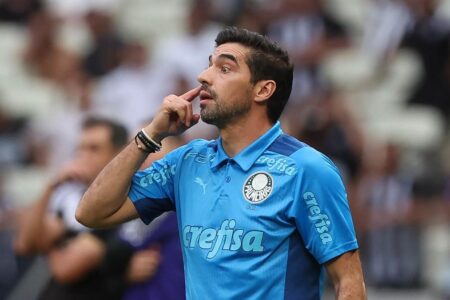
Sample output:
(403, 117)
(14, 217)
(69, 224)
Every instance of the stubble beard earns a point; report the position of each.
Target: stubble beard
(221, 115)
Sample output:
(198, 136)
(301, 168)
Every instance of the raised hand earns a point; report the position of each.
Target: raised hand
(174, 116)
(143, 265)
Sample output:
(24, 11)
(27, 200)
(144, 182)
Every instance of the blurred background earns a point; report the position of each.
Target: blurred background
(371, 90)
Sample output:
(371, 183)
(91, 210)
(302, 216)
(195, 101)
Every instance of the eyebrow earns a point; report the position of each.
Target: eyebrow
(225, 56)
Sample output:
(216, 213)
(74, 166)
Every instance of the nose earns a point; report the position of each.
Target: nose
(204, 77)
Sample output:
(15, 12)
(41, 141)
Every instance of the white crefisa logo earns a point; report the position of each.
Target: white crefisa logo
(258, 187)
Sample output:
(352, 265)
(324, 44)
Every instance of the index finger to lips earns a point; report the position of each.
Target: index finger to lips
(190, 95)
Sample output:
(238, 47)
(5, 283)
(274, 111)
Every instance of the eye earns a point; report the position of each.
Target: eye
(225, 69)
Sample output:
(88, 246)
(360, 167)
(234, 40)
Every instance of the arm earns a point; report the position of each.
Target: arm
(105, 203)
(73, 261)
(346, 275)
(37, 230)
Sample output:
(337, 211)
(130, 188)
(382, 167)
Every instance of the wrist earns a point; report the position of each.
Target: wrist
(153, 134)
(141, 146)
(146, 143)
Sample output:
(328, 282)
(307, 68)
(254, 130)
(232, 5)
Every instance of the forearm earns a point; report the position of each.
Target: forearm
(104, 203)
(351, 290)
(31, 235)
(77, 258)
(106, 195)
(346, 274)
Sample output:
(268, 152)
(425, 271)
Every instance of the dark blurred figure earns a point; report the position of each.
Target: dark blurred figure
(329, 126)
(107, 44)
(391, 237)
(428, 36)
(417, 26)
(8, 266)
(83, 264)
(18, 11)
(251, 16)
(43, 55)
(309, 33)
(228, 11)
(47, 59)
(13, 150)
(160, 242)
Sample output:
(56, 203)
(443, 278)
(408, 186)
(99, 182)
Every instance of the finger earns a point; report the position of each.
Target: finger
(195, 119)
(190, 95)
(188, 114)
(177, 111)
(181, 112)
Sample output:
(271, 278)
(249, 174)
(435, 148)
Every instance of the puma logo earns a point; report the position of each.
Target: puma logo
(201, 183)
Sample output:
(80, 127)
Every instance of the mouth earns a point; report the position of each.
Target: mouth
(205, 97)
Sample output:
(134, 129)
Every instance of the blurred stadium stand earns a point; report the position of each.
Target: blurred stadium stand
(375, 89)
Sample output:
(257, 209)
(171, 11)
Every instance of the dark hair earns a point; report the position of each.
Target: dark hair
(266, 61)
(119, 134)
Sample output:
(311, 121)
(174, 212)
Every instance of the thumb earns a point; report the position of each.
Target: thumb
(195, 119)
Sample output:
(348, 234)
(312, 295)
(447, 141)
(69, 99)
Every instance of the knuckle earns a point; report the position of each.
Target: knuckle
(169, 99)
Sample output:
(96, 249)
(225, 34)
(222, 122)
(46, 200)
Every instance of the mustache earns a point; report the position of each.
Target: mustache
(207, 89)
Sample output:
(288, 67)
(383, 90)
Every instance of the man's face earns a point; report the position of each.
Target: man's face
(95, 149)
(227, 92)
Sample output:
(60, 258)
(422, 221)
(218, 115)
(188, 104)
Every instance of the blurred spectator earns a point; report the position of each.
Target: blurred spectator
(18, 11)
(251, 16)
(128, 94)
(84, 264)
(328, 125)
(12, 144)
(43, 55)
(8, 266)
(391, 242)
(386, 27)
(107, 44)
(160, 242)
(415, 25)
(48, 60)
(309, 33)
(429, 38)
(228, 11)
(53, 140)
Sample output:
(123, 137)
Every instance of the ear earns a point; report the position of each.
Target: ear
(263, 90)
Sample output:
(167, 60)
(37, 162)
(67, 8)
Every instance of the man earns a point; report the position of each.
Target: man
(76, 255)
(259, 212)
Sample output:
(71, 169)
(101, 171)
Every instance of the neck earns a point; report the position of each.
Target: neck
(240, 134)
